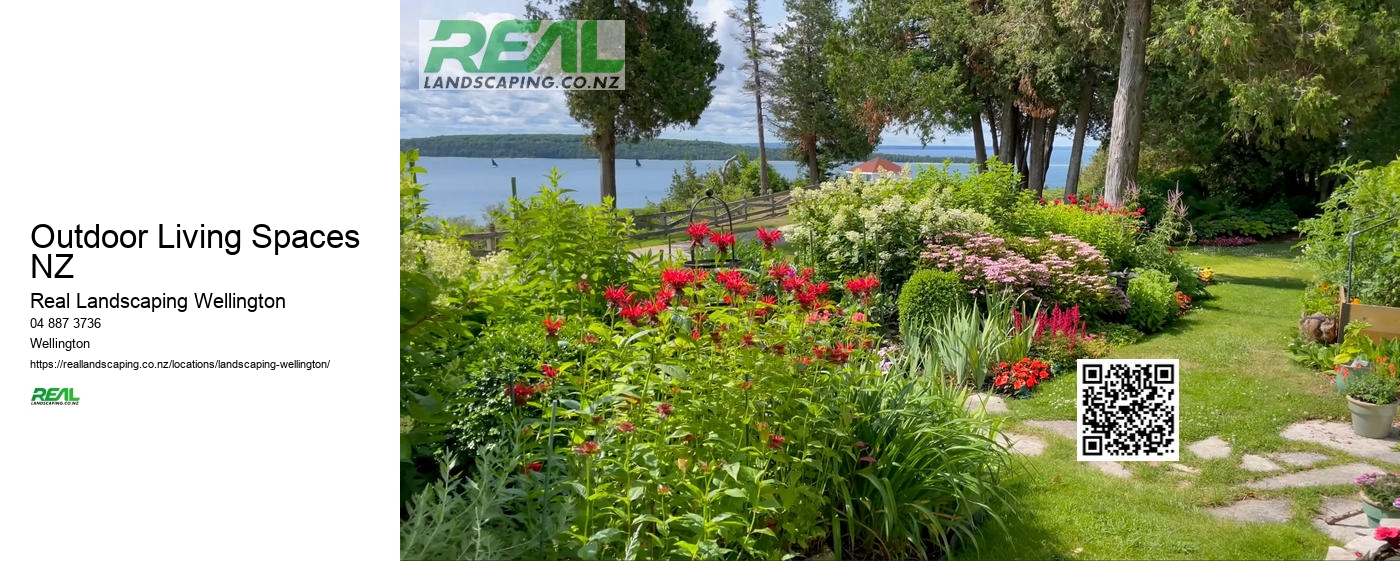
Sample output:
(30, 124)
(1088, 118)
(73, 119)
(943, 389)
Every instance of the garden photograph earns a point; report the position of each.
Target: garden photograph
(1149, 309)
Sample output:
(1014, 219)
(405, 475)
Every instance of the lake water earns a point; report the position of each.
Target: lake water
(467, 186)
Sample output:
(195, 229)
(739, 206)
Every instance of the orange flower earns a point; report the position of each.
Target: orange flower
(1323, 287)
(1355, 301)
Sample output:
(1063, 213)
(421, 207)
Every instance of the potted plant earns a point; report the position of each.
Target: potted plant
(1380, 493)
(1371, 398)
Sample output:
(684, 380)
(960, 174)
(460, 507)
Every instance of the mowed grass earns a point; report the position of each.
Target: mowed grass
(1236, 382)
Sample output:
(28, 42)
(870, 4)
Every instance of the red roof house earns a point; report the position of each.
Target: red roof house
(873, 169)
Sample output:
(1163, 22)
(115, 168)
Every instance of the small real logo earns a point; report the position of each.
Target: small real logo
(518, 54)
(53, 396)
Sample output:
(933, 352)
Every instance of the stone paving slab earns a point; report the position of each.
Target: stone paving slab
(1255, 510)
(1335, 553)
(1258, 464)
(1023, 444)
(1183, 468)
(1335, 475)
(995, 404)
(1363, 544)
(1346, 529)
(1113, 468)
(1299, 459)
(1339, 435)
(1212, 448)
(1062, 428)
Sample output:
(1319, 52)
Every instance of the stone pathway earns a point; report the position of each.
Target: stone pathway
(1256, 510)
(995, 404)
(1353, 531)
(1022, 444)
(1339, 436)
(1212, 448)
(1251, 462)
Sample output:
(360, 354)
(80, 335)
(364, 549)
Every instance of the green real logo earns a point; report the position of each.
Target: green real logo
(53, 396)
(521, 55)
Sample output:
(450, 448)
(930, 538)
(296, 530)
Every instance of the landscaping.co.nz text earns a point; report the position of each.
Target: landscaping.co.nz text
(181, 364)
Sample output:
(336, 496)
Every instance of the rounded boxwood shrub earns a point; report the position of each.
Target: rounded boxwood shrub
(928, 294)
(1153, 300)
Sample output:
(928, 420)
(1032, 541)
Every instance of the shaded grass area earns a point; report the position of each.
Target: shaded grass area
(1236, 382)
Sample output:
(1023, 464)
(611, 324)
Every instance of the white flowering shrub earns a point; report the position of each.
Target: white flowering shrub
(850, 226)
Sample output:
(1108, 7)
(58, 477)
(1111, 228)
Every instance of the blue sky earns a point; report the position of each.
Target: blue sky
(729, 118)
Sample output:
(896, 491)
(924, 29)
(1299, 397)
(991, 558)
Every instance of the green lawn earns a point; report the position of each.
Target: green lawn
(1236, 383)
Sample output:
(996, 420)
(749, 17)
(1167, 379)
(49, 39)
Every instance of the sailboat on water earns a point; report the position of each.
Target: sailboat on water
(493, 163)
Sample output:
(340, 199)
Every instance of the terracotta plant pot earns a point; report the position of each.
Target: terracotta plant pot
(1369, 420)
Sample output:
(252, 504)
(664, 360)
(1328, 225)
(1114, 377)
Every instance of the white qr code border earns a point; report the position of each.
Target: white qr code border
(1089, 374)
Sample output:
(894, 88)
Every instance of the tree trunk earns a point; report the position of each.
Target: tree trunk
(814, 172)
(605, 142)
(992, 127)
(1036, 179)
(979, 145)
(1126, 130)
(1007, 153)
(758, 104)
(1081, 127)
(1051, 127)
(1023, 140)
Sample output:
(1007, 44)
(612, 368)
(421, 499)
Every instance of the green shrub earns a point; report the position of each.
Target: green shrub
(1153, 297)
(1376, 274)
(1113, 234)
(990, 192)
(930, 294)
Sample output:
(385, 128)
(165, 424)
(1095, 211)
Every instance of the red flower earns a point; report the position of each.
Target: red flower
(780, 271)
(617, 295)
(769, 237)
(583, 286)
(861, 444)
(552, 327)
(664, 410)
(746, 384)
(868, 459)
(590, 338)
(775, 442)
(722, 241)
(862, 287)
(1387, 534)
(697, 232)
(626, 427)
(677, 279)
(522, 393)
(534, 466)
(635, 312)
(549, 370)
(748, 340)
(588, 448)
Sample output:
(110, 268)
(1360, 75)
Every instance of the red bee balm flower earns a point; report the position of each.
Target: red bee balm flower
(549, 370)
(697, 232)
(664, 410)
(534, 466)
(522, 393)
(617, 295)
(588, 448)
(862, 287)
(626, 427)
(769, 237)
(722, 241)
(776, 442)
(552, 327)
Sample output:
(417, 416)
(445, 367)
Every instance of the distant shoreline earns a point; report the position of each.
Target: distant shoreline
(573, 147)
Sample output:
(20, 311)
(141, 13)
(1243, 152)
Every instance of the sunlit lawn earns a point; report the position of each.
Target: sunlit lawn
(1236, 383)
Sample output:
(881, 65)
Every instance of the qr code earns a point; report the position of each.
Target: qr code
(1129, 410)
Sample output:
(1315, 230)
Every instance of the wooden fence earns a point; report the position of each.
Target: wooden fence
(666, 224)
